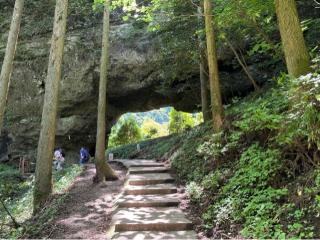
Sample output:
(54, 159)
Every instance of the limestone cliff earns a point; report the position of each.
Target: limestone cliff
(135, 77)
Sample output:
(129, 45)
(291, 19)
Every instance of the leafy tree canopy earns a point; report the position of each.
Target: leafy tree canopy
(127, 132)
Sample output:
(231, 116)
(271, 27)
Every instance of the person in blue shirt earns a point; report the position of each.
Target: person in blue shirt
(84, 156)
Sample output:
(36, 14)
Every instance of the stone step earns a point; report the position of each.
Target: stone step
(150, 219)
(149, 178)
(147, 235)
(151, 189)
(141, 170)
(140, 163)
(169, 200)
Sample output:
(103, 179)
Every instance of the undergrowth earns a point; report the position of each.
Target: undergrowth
(17, 194)
(260, 176)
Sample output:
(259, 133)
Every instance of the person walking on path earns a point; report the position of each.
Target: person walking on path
(58, 159)
(84, 156)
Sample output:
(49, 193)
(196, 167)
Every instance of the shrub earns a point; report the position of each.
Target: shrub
(194, 191)
(127, 132)
(179, 121)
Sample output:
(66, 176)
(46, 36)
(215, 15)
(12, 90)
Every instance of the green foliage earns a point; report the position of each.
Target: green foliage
(212, 147)
(317, 186)
(255, 169)
(292, 111)
(179, 121)
(10, 185)
(189, 156)
(263, 113)
(261, 214)
(64, 177)
(248, 197)
(194, 191)
(144, 125)
(152, 129)
(126, 132)
(304, 116)
(179, 27)
(212, 181)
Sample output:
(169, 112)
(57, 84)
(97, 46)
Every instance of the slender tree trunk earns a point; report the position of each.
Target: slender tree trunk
(43, 181)
(243, 65)
(205, 103)
(7, 64)
(295, 50)
(103, 170)
(216, 101)
(205, 94)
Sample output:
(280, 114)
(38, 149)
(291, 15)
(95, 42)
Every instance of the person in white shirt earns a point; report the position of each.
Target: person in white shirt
(58, 159)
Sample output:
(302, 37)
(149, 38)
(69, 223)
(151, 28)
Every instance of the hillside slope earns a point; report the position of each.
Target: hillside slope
(260, 177)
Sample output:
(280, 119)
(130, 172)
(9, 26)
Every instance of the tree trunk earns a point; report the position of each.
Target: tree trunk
(243, 65)
(205, 94)
(9, 56)
(295, 50)
(103, 170)
(43, 181)
(216, 101)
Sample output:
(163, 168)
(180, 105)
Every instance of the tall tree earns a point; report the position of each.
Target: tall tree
(216, 100)
(9, 56)
(205, 94)
(43, 181)
(103, 170)
(295, 50)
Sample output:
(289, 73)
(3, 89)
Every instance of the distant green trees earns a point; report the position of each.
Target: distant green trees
(180, 121)
(126, 132)
(151, 129)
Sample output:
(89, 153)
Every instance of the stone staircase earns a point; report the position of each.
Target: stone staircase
(148, 208)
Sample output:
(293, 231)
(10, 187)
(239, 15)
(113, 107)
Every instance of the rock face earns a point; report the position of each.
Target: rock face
(135, 83)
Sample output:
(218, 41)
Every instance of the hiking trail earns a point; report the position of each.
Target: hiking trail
(148, 208)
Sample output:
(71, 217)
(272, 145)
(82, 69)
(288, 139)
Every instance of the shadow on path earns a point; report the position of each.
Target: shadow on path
(85, 213)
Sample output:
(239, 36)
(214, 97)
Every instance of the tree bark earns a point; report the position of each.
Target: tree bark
(103, 170)
(43, 180)
(205, 103)
(216, 100)
(205, 94)
(7, 64)
(295, 50)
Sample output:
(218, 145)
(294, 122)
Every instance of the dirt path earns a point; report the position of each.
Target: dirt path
(86, 212)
